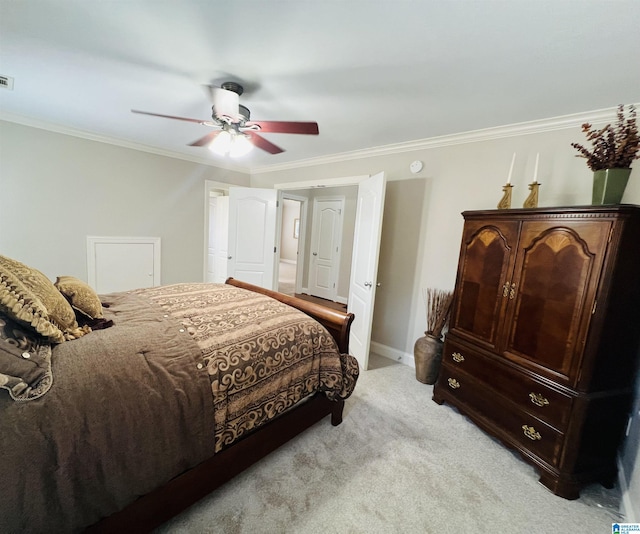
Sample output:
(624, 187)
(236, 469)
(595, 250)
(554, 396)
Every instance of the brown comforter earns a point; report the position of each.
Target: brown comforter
(186, 370)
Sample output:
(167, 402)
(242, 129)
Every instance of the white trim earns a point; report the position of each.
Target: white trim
(393, 354)
(83, 134)
(323, 182)
(562, 122)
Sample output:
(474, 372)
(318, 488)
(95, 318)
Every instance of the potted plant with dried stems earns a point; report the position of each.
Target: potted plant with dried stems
(613, 150)
(427, 351)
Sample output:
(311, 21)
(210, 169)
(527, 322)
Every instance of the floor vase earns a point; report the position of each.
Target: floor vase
(427, 353)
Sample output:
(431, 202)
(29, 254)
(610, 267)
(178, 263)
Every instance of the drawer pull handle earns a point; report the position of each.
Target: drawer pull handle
(457, 357)
(538, 399)
(531, 433)
(453, 383)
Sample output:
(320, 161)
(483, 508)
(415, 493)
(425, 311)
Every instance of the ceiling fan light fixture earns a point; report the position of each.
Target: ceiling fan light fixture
(230, 143)
(221, 143)
(240, 146)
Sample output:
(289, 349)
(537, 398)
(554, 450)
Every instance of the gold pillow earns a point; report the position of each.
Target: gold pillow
(28, 296)
(81, 296)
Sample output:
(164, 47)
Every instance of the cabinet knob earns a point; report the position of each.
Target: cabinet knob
(457, 357)
(453, 383)
(538, 399)
(531, 433)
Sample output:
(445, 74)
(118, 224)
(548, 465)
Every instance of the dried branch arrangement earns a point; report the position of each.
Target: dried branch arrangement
(613, 147)
(438, 306)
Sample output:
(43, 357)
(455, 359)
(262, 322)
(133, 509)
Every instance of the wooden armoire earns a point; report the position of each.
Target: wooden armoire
(544, 339)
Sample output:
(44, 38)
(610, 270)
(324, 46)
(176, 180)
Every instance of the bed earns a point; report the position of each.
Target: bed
(147, 400)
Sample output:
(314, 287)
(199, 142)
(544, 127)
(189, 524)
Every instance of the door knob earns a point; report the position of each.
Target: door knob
(368, 284)
(229, 257)
(315, 253)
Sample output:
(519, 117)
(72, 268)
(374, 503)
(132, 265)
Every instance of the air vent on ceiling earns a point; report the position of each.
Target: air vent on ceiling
(6, 82)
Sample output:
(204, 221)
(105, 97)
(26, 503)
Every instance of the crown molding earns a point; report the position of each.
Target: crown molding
(562, 122)
(83, 134)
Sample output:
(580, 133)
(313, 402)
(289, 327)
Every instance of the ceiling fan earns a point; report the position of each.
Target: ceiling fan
(238, 134)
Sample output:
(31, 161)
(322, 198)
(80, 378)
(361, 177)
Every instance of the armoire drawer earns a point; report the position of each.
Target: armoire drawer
(532, 395)
(506, 419)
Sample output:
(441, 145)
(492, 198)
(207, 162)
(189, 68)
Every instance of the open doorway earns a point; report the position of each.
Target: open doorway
(365, 242)
(290, 237)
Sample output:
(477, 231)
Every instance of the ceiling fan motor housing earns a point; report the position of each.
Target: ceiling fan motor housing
(233, 86)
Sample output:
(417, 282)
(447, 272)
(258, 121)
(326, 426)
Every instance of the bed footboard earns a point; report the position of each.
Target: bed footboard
(336, 322)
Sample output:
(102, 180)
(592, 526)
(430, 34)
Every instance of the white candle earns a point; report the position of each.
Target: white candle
(535, 170)
(513, 160)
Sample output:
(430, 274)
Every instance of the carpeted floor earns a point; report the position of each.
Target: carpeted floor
(399, 463)
(287, 278)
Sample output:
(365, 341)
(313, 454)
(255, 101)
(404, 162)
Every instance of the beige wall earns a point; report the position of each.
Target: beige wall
(455, 178)
(57, 189)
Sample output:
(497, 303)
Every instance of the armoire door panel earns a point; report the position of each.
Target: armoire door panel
(556, 274)
(485, 267)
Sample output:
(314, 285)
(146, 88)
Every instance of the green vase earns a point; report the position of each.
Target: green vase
(609, 186)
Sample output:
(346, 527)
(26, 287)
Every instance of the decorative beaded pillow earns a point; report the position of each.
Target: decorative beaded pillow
(29, 297)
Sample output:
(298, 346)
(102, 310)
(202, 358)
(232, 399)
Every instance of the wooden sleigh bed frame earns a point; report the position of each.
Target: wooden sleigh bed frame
(152, 510)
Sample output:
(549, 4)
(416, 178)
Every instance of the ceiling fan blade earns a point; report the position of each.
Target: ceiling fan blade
(198, 121)
(310, 128)
(206, 139)
(262, 143)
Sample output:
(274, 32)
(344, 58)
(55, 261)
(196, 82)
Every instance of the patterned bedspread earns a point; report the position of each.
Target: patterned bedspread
(261, 355)
(184, 371)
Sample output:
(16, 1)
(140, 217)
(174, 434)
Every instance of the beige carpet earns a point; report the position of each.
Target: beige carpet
(399, 463)
(287, 278)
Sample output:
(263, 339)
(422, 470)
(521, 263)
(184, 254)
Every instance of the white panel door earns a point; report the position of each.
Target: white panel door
(252, 235)
(218, 239)
(122, 263)
(326, 239)
(364, 264)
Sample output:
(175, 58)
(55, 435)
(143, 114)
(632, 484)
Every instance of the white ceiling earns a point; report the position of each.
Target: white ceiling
(371, 73)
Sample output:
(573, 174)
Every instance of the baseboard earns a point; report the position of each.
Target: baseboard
(628, 510)
(290, 262)
(393, 354)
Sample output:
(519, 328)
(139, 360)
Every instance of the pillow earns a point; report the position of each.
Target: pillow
(81, 296)
(25, 362)
(29, 297)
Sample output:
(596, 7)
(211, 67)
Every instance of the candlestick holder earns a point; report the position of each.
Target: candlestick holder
(532, 200)
(505, 201)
